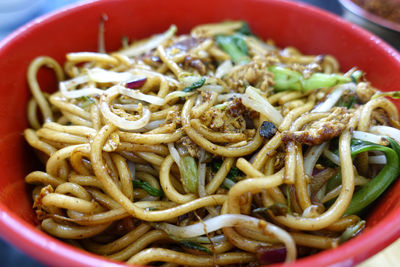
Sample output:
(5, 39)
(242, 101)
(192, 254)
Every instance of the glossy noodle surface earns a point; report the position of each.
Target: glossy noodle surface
(208, 148)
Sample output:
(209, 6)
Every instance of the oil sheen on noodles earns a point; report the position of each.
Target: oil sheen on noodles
(208, 148)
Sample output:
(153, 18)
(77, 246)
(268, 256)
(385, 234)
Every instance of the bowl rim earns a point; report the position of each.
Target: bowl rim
(371, 17)
(38, 244)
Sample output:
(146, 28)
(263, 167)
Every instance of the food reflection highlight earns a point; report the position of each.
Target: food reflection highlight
(209, 148)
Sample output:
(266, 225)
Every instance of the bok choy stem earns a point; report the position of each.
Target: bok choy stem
(287, 79)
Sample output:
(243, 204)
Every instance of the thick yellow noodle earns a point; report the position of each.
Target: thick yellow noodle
(145, 175)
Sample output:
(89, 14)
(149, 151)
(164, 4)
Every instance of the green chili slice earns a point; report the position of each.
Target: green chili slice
(371, 191)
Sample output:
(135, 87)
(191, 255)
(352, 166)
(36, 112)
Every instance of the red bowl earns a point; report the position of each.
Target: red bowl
(75, 29)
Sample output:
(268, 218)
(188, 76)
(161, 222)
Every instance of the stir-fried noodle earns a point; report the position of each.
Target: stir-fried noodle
(211, 148)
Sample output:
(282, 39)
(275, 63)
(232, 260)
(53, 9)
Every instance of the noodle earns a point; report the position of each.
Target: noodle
(187, 150)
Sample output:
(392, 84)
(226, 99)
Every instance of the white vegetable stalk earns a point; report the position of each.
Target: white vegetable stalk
(369, 137)
(226, 97)
(76, 81)
(332, 156)
(66, 86)
(224, 69)
(188, 79)
(176, 94)
(149, 73)
(231, 220)
(174, 153)
(311, 158)
(107, 76)
(228, 183)
(116, 120)
(150, 44)
(132, 169)
(386, 131)
(128, 107)
(78, 93)
(252, 99)
(154, 124)
(380, 159)
(136, 94)
(334, 97)
(212, 87)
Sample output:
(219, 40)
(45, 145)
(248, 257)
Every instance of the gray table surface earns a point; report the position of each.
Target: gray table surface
(11, 256)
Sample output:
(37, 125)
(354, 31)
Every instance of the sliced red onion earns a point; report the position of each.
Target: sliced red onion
(270, 255)
(136, 83)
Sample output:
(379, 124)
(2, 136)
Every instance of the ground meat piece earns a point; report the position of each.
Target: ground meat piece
(279, 160)
(321, 130)
(195, 63)
(221, 121)
(235, 118)
(186, 145)
(173, 117)
(218, 120)
(43, 192)
(364, 92)
(255, 74)
(235, 107)
(206, 96)
(235, 124)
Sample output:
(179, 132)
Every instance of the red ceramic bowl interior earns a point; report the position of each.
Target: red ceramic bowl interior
(75, 29)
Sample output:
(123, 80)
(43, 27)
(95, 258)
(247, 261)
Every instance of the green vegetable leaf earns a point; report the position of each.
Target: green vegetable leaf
(356, 76)
(289, 201)
(352, 231)
(334, 182)
(85, 101)
(188, 169)
(347, 101)
(245, 29)
(215, 165)
(235, 45)
(231, 177)
(195, 245)
(286, 79)
(233, 173)
(323, 80)
(394, 145)
(148, 188)
(195, 85)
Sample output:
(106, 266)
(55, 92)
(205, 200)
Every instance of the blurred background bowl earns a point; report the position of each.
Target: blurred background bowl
(75, 29)
(384, 28)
